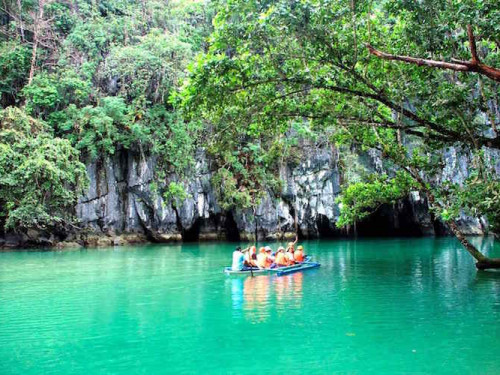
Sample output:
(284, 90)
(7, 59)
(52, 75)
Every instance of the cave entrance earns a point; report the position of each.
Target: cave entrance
(389, 221)
(325, 228)
(232, 232)
(192, 234)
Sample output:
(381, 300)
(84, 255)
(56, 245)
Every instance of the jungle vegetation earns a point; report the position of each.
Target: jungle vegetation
(249, 82)
(80, 80)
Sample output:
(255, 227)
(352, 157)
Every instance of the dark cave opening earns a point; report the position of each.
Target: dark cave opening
(192, 234)
(232, 232)
(387, 221)
(325, 228)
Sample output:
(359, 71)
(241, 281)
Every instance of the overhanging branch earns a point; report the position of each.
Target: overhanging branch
(475, 65)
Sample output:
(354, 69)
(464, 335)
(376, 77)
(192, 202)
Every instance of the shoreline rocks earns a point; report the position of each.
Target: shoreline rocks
(120, 206)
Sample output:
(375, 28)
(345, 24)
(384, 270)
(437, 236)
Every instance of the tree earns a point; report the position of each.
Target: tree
(40, 176)
(272, 65)
(99, 77)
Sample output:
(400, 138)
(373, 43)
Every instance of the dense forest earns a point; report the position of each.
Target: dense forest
(82, 79)
(251, 83)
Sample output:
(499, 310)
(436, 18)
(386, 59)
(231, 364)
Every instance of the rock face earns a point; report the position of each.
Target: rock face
(120, 202)
(120, 205)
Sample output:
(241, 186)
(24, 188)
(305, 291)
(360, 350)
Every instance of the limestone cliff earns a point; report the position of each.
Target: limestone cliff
(120, 205)
(120, 201)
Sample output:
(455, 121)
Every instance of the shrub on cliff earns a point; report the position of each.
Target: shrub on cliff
(40, 176)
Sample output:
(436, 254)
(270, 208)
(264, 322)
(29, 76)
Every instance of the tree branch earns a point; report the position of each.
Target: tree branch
(472, 45)
(440, 132)
(418, 61)
(475, 65)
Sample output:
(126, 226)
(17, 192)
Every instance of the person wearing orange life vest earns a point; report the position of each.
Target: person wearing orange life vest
(251, 257)
(263, 259)
(270, 254)
(280, 258)
(298, 254)
(290, 250)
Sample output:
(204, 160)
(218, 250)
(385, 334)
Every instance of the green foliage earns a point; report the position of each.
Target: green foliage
(14, 66)
(360, 199)
(42, 95)
(273, 65)
(175, 194)
(94, 38)
(192, 18)
(482, 197)
(50, 93)
(230, 193)
(105, 79)
(149, 69)
(168, 137)
(98, 130)
(478, 195)
(40, 176)
(16, 124)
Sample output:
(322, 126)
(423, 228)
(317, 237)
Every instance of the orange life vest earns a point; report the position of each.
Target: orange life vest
(298, 255)
(281, 259)
(263, 261)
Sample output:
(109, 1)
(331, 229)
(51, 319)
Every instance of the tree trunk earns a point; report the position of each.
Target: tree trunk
(33, 58)
(471, 249)
(21, 26)
(488, 264)
(36, 39)
(483, 262)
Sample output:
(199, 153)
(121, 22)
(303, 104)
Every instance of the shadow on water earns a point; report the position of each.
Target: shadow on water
(488, 278)
(488, 283)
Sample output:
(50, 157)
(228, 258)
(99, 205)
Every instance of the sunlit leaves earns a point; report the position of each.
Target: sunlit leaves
(40, 176)
(360, 199)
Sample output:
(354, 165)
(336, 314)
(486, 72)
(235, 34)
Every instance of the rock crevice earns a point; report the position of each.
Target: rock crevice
(120, 205)
(310, 190)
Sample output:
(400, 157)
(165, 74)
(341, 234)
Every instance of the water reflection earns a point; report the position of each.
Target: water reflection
(288, 291)
(256, 297)
(237, 293)
(259, 295)
(359, 272)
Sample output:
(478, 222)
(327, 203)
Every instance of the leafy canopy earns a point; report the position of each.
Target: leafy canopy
(271, 65)
(40, 176)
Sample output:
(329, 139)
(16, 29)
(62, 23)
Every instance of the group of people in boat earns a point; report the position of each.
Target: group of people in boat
(266, 258)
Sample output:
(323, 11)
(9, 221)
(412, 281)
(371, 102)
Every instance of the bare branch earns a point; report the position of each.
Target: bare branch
(474, 65)
(418, 61)
(472, 45)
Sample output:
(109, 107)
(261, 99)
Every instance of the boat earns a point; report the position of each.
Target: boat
(279, 271)
(248, 271)
(297, 268)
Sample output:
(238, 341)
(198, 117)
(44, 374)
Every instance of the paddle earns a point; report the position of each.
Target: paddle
(296, 224)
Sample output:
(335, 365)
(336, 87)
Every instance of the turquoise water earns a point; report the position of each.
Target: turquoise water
(374, 307)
